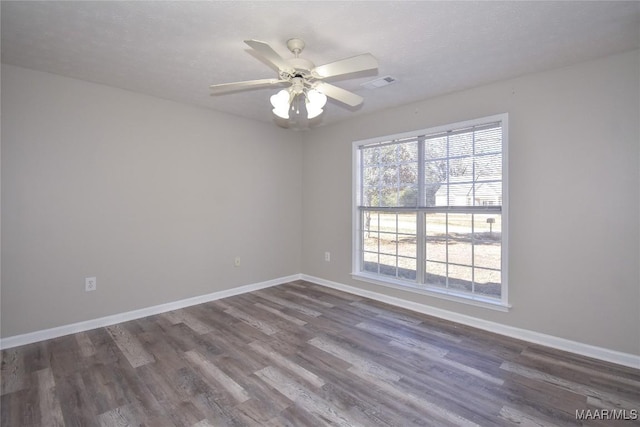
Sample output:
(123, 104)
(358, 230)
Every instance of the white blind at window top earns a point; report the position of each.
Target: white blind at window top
(459, 167)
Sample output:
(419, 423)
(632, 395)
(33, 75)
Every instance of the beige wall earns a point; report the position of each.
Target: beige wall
(153, 197)
(574, 209)
(156, 198)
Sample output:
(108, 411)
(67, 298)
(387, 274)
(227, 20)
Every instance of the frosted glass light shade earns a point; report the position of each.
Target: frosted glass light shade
(315, 101)
(283, 104)
(280, 102)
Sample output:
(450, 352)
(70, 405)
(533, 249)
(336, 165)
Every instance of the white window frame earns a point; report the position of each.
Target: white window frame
(358, 273)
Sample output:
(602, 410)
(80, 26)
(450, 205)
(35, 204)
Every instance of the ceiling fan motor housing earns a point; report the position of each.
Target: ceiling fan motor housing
(304, 66)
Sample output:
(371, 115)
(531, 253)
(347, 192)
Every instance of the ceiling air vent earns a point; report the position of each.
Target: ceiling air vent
(379, 82)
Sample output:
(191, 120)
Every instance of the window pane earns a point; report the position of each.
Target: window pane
(488, 167)
(370, 242)
(371, 175)
(436, 237)
(407, 223)
(488, 194)
(459, 239)
(487, 282)
(406, 268)
(388, 197)
(435, 178)
(371, 185)
(435, 148)
(370, 196)
(408, 197)
(408, 174)
(390, 175)
(388, 265)
(407, 240)
(370, 156)
(461, 144)
(388, 222)
(370, 221)
(370, 262)
(460, 278)
(388, 185)
(459, 195)
(435, 171)
(489, 140)
(407, 245)
(388, 154)
(487, 240)
(407, 152)
(388, 243)
(461, 170)
(436, 274)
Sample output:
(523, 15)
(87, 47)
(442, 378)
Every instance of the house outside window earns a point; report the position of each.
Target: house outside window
(430, 211)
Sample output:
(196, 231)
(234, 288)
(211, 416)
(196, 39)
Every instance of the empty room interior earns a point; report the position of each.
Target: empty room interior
(320, 213)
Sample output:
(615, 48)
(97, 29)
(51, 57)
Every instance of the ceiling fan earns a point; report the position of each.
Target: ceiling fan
(306, 90)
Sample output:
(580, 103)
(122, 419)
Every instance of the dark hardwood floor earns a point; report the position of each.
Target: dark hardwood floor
(300, 354)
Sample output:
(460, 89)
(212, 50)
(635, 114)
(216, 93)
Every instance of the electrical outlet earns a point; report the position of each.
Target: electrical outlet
(327, 256)
(236, 261)
(90, 284)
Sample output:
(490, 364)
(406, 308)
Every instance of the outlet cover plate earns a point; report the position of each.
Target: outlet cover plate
(90, 284)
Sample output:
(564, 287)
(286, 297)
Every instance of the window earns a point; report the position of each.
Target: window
(429, 211)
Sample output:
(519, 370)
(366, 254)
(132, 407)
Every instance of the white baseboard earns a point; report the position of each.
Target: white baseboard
(73, 328)
(600, 353)
(620, 358)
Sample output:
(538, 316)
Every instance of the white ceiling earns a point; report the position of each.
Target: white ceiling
(176, 49)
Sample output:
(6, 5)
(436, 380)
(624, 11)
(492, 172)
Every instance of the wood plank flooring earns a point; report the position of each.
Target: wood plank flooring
(300, 354)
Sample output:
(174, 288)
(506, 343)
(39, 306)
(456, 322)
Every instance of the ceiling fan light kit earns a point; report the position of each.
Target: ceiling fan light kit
(316, 100)
(306, 89)
(283, 103)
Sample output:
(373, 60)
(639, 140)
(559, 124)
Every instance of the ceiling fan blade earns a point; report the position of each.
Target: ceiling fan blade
(339, 94)
(269, 54)
(223, 88)
(363, 62)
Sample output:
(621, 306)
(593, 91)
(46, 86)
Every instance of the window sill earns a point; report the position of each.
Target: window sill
(474, 300)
